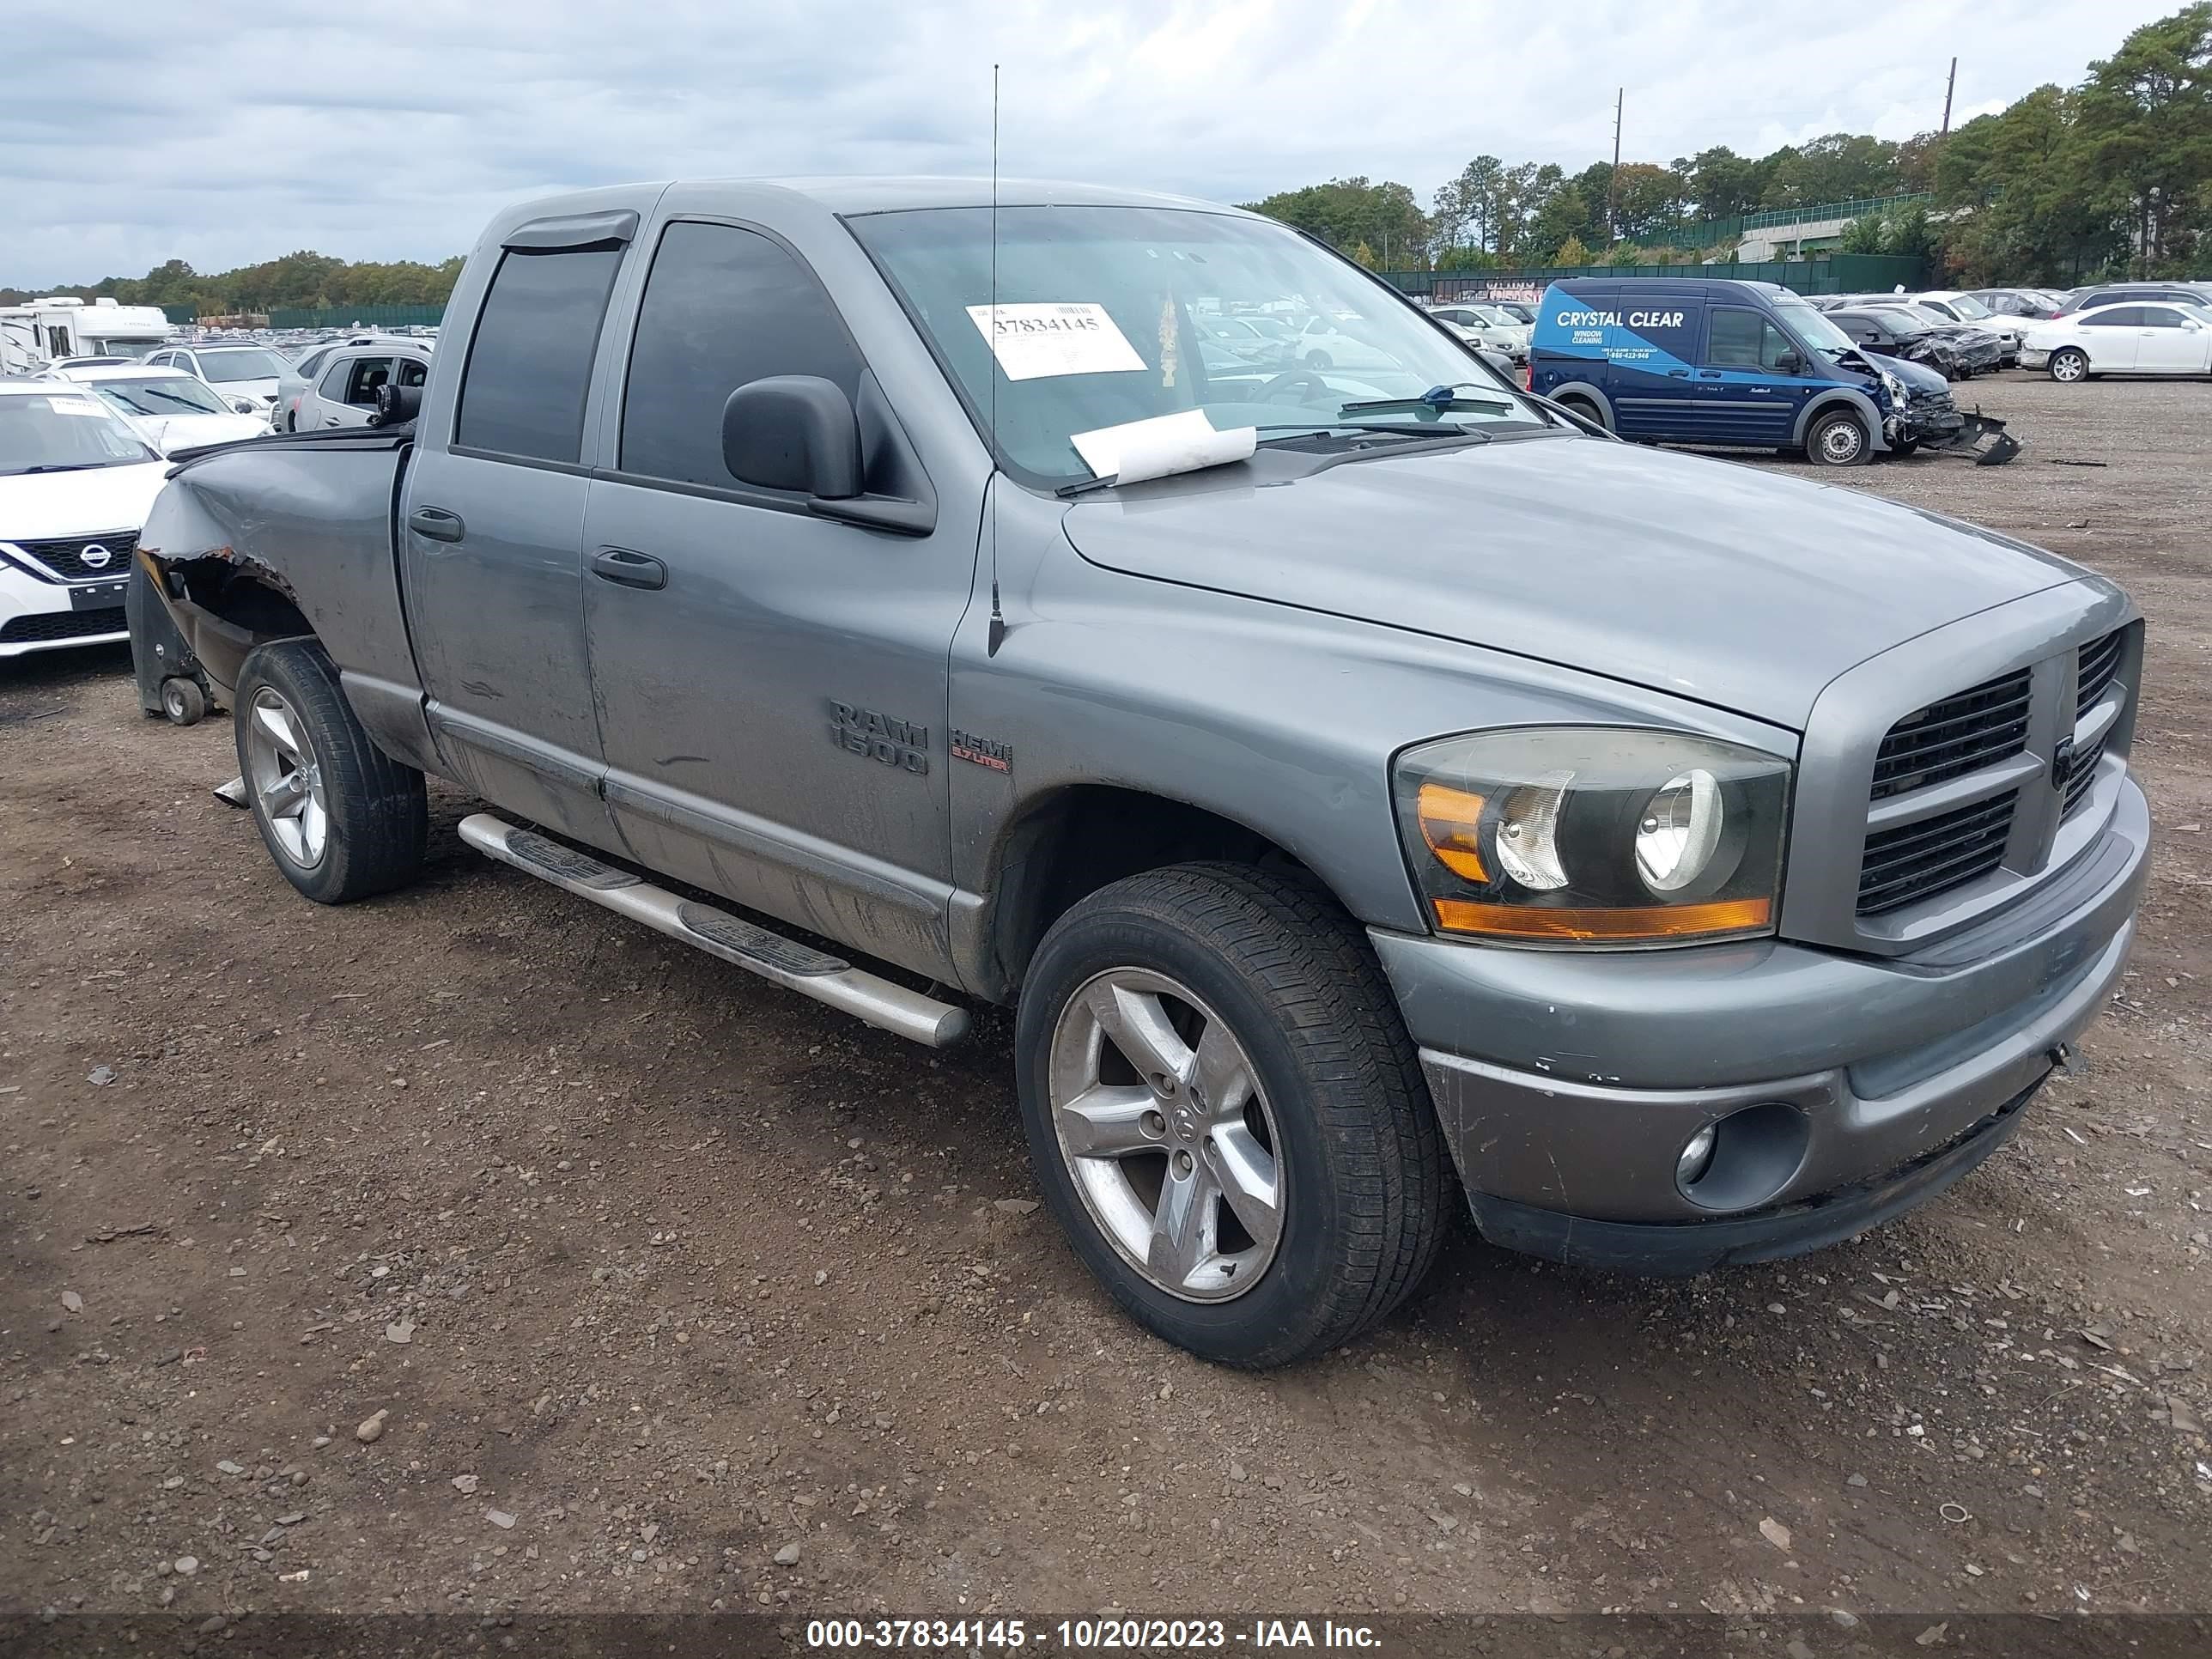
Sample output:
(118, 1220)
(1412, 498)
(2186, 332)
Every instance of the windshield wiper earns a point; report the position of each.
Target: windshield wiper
(1440, 398)
(1429, 431)
(70, 466)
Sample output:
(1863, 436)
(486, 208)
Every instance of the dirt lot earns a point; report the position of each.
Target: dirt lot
(674, 1291)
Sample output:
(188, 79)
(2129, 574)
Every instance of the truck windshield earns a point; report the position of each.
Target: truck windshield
(63, 432)
(1813, 329)
(235, 365)
(1096, 326)
(161, 394)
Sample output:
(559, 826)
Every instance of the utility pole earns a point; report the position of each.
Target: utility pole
(1948, 87)
(1612, 179)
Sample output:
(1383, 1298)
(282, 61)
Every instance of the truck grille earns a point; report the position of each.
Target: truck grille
(1915, 860)
(66, 557)
(2094, 666)
(2083, 774)
(1950, 738)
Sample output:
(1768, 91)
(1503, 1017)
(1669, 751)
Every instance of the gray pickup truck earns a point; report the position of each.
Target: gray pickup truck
(1388, 776)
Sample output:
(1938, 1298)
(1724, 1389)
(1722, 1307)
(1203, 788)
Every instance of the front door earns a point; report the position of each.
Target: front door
(491, 530)
(1744, 395)
(771, 683)
(2169, 341)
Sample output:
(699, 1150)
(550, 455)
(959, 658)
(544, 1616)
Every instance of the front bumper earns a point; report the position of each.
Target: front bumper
(2033, 357)
(1567, 1082)
(37, 615)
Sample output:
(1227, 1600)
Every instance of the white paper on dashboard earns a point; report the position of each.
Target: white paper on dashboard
(1182, 442)
(1032, 342)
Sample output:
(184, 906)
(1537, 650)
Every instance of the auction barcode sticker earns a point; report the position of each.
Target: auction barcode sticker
(1032, 342)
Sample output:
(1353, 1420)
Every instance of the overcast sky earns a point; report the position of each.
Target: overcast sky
(132, 132)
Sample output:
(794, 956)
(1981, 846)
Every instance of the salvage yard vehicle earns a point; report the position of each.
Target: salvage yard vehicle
(347, 380)
(76, 484)
(1898, 334)
(1344, 790)
(2122, 339)
(1967, 310)
(246, 375)
(1723, 362)
(167, 407)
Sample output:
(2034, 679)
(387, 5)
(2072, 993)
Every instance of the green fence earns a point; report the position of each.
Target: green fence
(186, 313)
(357, 317)
(1709, 233)
(1841, 273)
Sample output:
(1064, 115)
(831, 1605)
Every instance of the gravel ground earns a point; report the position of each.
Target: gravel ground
(472, 1249)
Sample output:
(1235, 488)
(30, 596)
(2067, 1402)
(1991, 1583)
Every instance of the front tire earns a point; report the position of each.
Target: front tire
(2067, 366)
(342, 818)
(1839, 438)
(1317, 360)
(1226, 1114)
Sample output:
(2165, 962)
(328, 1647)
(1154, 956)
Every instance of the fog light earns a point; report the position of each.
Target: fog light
(1697, 1156)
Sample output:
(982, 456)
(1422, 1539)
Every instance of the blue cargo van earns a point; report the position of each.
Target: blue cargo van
(1696, 361)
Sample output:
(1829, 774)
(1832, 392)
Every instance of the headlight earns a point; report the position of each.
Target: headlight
(1595, 836)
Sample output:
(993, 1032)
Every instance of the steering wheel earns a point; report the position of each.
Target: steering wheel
(1295, 377)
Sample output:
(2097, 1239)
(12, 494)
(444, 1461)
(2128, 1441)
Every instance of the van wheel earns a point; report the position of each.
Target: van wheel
(1839, 439)
(342, 818)
(2069, 366)
(1588, 410)
(1225, 1113)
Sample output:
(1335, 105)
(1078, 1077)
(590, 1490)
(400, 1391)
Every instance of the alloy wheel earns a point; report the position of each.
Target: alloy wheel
(1166, 1134)
(286, 778)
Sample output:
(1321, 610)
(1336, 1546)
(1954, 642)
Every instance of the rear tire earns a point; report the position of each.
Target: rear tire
(1309, 1094)
(1588, 410)
(342, 818)
(1839, 438)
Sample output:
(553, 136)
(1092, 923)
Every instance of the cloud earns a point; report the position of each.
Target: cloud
(140, 135)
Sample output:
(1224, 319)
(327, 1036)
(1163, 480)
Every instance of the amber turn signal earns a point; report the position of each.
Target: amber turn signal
(1449, 821)
(1624, 927)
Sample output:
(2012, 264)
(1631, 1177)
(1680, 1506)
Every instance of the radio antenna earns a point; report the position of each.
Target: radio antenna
(998, 634)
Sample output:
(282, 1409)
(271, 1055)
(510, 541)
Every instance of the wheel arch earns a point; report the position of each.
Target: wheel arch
(1586, 392)
(1843, 397)
(1068, 843)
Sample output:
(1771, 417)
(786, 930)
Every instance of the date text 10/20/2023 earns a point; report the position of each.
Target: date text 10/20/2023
(1087, 1635)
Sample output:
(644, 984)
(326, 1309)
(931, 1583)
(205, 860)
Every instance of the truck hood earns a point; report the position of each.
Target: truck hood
(1705, 578)
(47, 505)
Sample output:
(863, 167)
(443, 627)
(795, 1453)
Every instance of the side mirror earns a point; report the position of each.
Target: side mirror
(793, 431)
(1789, 363)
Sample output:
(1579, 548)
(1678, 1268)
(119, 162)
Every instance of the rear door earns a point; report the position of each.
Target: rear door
(491, 530)
(2109, 337)
(1650, 349)
(1743, 395)
(346, 393)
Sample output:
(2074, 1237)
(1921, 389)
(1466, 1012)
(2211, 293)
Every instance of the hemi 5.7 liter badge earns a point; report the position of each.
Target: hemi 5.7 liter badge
(864, 732)
(983, 751)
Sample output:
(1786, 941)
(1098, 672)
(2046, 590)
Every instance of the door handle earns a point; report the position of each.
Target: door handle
(624, 569)
(435, 523)
(1678, 373)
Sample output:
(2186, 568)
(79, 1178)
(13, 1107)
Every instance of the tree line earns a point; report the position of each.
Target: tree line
(2111, 175)
(2067, 184)
(298, 279)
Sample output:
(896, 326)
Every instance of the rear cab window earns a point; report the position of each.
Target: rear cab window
(529, 368)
